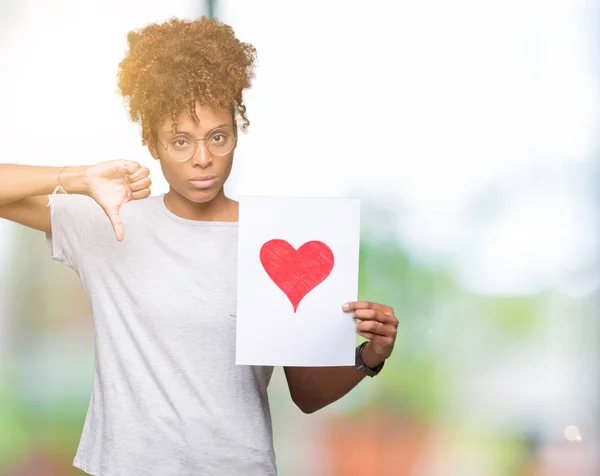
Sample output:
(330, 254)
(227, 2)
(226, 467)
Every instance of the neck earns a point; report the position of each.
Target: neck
(219, 208)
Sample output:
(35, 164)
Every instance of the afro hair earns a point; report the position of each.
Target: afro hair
(172, 65)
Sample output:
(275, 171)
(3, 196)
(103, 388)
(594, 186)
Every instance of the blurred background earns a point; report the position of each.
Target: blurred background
(470, 131)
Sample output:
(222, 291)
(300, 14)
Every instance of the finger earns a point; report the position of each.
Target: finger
(141, 194)
(120, 168)
(377, 339)
(367, 335)
(141, 173)
(354, 305)
(128, 166)
(141, 184)
(372, 314)
(376, 328)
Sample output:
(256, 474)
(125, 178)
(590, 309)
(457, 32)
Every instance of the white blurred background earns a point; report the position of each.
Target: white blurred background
(469, 129)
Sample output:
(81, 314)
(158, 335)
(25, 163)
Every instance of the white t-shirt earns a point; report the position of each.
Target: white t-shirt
(167, 397)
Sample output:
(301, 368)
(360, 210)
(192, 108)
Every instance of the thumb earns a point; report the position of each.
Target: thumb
(116, 222)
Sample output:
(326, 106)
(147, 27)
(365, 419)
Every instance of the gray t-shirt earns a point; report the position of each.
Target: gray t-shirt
(167, 397)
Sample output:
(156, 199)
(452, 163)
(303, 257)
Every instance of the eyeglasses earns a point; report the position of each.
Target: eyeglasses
(182, 147)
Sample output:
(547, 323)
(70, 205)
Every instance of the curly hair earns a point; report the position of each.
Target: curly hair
(171, 65)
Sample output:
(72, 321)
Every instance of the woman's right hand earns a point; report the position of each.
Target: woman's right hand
(114, 183)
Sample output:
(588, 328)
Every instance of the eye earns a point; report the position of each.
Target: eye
(180, 143)
(218, 138)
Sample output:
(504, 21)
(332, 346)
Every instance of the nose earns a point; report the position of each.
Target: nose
(201, 156)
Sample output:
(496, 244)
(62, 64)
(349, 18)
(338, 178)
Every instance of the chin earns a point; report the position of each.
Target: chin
(202, 196)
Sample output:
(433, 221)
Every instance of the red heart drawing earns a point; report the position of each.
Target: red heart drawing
(296, 273)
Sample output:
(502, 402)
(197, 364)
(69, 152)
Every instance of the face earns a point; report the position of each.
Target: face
(201, 178)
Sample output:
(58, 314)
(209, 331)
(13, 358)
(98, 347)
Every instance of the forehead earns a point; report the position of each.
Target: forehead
(207, 119)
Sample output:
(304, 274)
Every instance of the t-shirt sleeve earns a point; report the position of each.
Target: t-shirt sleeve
(77, 222)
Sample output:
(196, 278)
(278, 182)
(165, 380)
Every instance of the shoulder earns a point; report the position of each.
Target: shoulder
(139, 207)
(142, 203)
(72, 205)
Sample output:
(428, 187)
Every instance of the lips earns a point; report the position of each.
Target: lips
(203, 182)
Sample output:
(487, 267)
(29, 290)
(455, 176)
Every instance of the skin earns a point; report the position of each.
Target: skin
(311, 388)
(183, 199)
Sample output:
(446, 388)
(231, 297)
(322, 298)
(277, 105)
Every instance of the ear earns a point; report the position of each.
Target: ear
(153, 151)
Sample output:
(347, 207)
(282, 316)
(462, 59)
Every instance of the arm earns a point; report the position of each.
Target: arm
(24, 190)
(313, 388)
(24, 181)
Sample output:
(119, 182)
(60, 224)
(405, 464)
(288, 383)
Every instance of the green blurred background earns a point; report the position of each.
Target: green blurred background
(479, 223)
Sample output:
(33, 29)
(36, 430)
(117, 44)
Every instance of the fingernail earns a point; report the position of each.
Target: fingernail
(346, 307)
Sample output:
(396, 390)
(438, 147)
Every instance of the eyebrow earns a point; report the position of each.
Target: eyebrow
(180, 131)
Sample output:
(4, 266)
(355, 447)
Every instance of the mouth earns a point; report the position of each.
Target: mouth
(203, 182)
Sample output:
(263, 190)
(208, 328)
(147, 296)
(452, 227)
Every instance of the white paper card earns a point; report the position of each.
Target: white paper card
(297, 265)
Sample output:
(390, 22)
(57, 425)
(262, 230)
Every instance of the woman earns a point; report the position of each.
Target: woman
(167, 397)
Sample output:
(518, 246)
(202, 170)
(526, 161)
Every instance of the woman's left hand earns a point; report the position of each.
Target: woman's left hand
(377, 323)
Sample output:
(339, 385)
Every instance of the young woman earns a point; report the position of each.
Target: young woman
(167, 398)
